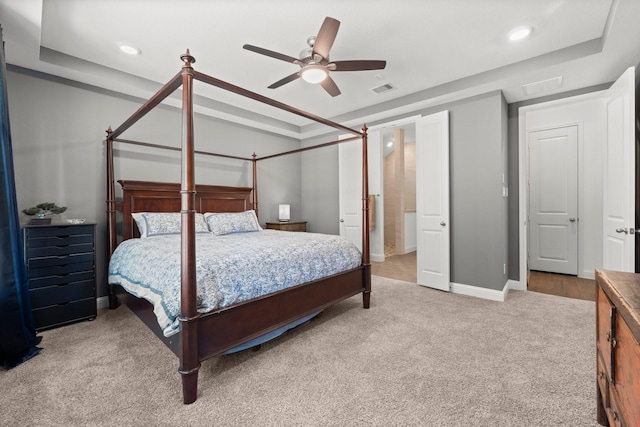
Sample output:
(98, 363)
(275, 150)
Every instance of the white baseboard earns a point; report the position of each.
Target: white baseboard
(377, 257)
(484, 293)
(516, 285)
(590, 274)
(102, 302)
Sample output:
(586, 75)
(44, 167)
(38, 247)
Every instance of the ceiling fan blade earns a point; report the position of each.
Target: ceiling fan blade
(270, 53)
(330, 86)
(326, 36)
(284, 81)
(359, 65)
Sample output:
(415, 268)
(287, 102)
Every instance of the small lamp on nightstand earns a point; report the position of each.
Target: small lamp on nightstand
(284, 213)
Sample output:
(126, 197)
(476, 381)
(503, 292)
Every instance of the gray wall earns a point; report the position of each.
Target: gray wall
(58, 133)
(478, 212)
(58, 130)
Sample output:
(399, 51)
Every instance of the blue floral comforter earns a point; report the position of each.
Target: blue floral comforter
(229, 269)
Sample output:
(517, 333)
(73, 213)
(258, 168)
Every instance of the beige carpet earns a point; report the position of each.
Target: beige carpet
(417, 357)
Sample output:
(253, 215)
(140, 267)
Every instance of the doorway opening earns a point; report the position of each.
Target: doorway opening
(399, 189)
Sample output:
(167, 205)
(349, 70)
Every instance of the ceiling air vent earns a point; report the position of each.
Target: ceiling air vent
(542, 86)
(384, 88)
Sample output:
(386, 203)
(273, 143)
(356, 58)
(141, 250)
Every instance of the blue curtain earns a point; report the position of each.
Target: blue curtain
(17, 332)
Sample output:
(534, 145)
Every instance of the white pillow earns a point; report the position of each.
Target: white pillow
(232, 222)
(161, 223)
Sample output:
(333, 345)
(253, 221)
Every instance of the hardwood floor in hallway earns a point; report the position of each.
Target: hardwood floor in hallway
(562, 285)
(403, 267)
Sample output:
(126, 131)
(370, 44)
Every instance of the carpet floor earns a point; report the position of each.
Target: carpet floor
(417, 357)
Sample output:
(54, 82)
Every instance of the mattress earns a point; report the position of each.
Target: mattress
(230, 268)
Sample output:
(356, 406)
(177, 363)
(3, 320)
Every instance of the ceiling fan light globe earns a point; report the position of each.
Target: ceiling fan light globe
(314, 73)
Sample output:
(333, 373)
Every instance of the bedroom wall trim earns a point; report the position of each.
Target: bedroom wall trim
(478, 292)
(516, 285)
(102, 302)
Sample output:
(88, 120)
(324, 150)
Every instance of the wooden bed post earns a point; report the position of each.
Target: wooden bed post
(111, 209)
(366, 262)
(189, 352)
(255, 184)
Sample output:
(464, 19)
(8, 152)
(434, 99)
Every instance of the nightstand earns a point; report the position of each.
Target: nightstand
(288, 226)
(60, 260)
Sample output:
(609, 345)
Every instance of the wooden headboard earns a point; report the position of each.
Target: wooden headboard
(145, 196)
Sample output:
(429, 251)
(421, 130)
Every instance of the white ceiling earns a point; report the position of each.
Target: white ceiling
(436, 50)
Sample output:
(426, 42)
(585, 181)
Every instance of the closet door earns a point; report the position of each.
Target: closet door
(553, 200)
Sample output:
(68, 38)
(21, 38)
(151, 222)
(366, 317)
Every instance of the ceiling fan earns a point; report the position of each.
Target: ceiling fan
(314, 61)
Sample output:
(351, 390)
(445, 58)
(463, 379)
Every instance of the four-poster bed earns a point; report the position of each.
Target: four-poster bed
(202, 335)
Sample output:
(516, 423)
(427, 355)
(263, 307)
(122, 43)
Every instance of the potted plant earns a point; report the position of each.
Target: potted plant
(43, 212)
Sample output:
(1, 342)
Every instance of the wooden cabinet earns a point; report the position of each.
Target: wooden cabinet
(618, 351)
(60, 262)
(288, 226)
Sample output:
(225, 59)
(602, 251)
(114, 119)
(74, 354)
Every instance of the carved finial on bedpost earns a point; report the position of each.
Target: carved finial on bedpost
(364, 128)
(187, 59)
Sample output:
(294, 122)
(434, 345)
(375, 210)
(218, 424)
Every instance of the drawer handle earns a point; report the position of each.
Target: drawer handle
(601, 375)
(615, 416)
(608, 336)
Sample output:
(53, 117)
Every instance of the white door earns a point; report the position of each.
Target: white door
(432, 201)
(619, 176)
(553, 200)
(350, 191)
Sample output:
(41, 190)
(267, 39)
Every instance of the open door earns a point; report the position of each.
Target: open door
(619, 176)
(350, 192)
(432, 201)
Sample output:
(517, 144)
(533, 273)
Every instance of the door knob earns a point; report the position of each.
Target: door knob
(442, 223)
(572, 219)
(622, 230)
(341, 220)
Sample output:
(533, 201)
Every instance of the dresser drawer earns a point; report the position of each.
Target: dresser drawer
(61, 294)
(38, 242)
(59, 260)
(57, 315)
(603, 329)
(47, 251)
(62, 279)
(288, 226)
(59, 270)
(603, 381)
(59, 231)
(614, 415)
(627, 373)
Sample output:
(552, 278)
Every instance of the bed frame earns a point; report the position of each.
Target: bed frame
(204, 335)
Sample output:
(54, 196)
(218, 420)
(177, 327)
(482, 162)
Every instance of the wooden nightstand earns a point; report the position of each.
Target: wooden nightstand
(288, 226)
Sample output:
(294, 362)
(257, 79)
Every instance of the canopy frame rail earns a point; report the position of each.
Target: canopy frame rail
(189, 316)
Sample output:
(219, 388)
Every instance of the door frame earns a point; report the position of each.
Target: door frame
(523, 172)
(411, 120)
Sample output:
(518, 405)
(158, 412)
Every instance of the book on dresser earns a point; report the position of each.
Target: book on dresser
(60, 261)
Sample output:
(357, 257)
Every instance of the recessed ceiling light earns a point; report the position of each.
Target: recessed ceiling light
(130, 50)
(519, 33)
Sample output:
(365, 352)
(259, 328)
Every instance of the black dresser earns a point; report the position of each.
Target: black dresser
(60, 261)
